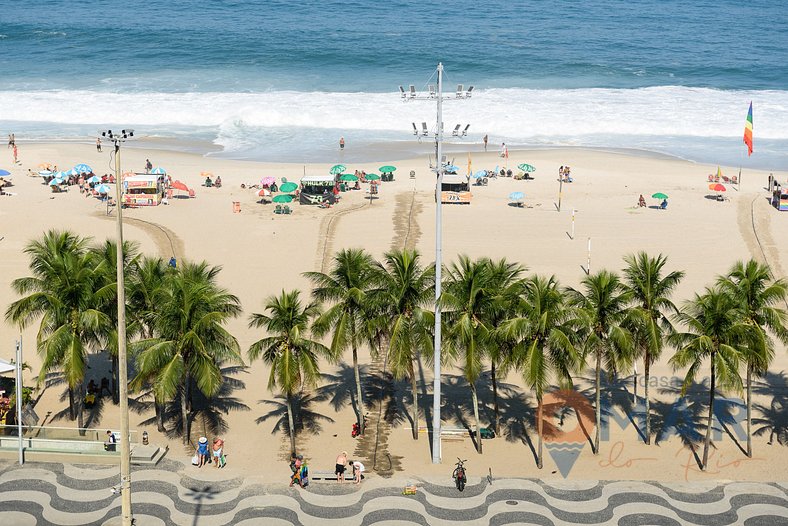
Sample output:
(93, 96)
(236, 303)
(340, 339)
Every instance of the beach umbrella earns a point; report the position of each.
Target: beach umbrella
(283, 198)
(82, 168)
(4, 173)
(480, 174)
(264, 192)
(177, 185)
(95, 179)
(159, 171)
(348, 178)
(659, 195)
(45, 166)
(387, 169)
(526, 167)
(288, 187)
(45, 173)
(206, 174)
(72, 172)
(337, 169)
(267, 181)
(55, 182)
(103, 189)
(451, 168)
(372, 177)
(717, 187)
(516, 196)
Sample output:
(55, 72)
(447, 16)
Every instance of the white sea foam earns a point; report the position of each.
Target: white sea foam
(513, 115)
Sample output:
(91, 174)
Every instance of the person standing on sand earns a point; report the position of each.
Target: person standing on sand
(148, 166)
(11, 140)
(16, 154)
(340, 466)
(341, 143)
(98, 144)
(485, 142)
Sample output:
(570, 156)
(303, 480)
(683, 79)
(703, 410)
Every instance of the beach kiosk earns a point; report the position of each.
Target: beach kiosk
(316, 189)
(456, 189)
(142, 190)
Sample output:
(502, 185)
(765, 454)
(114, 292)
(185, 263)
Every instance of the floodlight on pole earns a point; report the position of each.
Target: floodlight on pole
(125, 447)
(437, 95)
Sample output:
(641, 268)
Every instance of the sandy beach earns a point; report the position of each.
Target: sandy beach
(262, 253)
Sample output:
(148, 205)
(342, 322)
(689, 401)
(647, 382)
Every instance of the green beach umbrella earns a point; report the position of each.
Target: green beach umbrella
(659, 195)
(288, 187)
(372, 177)
(526, 167)
(349, 178)
(387, 169)
(337, 169)
(282, 198)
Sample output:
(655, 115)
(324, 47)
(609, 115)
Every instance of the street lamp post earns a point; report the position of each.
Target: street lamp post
(436, 394)
(125, 446)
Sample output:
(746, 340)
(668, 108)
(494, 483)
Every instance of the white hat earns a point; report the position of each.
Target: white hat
(203, 440)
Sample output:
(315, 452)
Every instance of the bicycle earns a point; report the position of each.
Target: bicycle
(459, 475)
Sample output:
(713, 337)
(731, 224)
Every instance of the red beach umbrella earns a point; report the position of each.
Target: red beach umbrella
(177, 185)
(717, 187)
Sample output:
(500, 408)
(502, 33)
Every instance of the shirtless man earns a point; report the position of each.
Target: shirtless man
(340, 467)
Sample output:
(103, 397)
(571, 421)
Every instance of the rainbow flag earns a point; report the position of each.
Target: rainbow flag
(748, 131)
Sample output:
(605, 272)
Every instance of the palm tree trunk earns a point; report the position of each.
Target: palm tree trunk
(707, 441)
(80, 399)
(496, 418)
(539, 430)
(598, 406)
(290, 423)
(749, 410)
(476, 417)
(647, 367)
(359, 401)
(185, 411)
(415, 406)
(72, 413)
(159, 408)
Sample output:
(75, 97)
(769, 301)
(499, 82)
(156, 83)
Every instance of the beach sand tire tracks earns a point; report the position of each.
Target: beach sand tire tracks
(328, 225)
(167, 242)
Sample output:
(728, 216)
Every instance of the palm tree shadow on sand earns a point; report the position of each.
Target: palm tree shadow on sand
(774, 414)
(686, 416)
(304, 418)
(208, 413)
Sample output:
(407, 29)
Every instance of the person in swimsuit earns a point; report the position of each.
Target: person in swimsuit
(340, 466)
(218, 452)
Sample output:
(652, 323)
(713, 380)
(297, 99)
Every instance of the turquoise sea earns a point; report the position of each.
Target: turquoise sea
(282, 81)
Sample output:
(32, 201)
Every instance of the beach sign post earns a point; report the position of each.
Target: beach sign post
(588, 260)
(572, 236)
(560, 189)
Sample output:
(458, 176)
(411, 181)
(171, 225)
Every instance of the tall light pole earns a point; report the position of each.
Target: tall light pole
(125, 446)
(19, 399)
(436, 389)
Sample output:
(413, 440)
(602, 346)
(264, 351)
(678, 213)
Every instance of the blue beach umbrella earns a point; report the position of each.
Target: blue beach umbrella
(95, 179)
(480, 174)
(452, 168)
(516, 196)
(82, 168)
(159, 171)
(45, 173)
(103, 189)
(3, 173)
(55, 182)
(71, 172)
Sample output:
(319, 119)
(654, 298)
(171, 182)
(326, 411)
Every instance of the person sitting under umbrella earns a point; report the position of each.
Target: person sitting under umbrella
(664, 204)
(208, 182)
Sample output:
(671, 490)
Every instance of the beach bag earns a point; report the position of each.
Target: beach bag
(222, 461)
(195, 460)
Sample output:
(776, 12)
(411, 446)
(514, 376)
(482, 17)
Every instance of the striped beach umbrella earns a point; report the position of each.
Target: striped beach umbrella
(159, 171)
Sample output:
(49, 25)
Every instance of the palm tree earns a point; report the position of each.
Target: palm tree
(602, 314)
(145, 284)
(346, 288)
(62, 293)
(190, 342)
(650, 292)
(504, 285)
(292, 356)
(542, 336)
(467, 299)
(756, 293)
(403, 292)
(714, 332)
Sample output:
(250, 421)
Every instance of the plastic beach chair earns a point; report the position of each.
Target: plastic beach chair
(278, 209)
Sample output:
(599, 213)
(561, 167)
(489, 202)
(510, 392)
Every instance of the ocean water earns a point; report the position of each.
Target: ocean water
(273, 80)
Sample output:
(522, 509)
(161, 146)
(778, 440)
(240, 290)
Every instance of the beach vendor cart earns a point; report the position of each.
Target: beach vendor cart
(317, 189)
(142, 190)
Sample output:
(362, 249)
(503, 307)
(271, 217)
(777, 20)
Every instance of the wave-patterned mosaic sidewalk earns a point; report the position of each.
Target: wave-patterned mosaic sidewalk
(58, 494)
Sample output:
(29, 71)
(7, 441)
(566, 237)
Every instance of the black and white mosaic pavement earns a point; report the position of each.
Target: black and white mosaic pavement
(58, 494)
